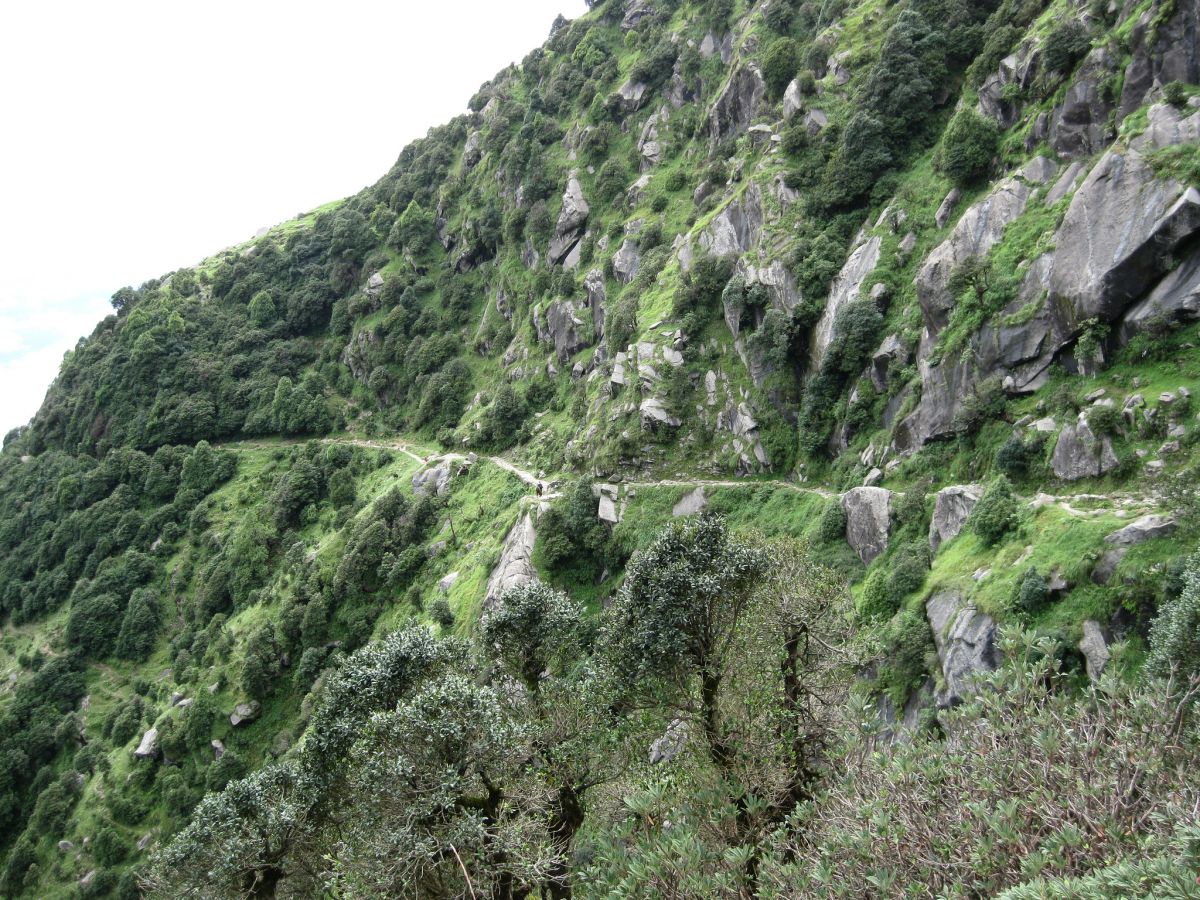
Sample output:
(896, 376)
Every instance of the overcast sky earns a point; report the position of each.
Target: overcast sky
(140, 137)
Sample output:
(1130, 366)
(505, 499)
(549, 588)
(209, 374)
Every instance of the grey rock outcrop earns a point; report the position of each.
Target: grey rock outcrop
(435, 480)
(845, 289)
(636, 12)
(670, 744)
(560, 326)
(1079, 453)
(977, 231)
(593, 285)
(1119, 242)
(736, 106)
(900, 728)
(626, 261)
(634, 95)
(690, 504)
(951, 509)
(966, 645)
(793, 100)
(516, 562)
(736, 228)
(654, 415)
(868, 520)
(1094, 648)
(1079, 126)
(1146, 528)
(148, 747)
(571, 220)
(889, 352)
(1162, 52)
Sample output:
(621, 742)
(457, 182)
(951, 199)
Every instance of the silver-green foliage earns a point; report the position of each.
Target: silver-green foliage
(1175, 633)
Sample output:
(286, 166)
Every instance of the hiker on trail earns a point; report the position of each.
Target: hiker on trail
(539, 489)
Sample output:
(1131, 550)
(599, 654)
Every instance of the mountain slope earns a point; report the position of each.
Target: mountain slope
(913, 282)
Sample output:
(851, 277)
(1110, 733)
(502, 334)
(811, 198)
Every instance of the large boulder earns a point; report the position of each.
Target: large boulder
(636, 11)
(434, 480)
(868, 520)
(593, 285)
(1146, 528)
(793, 100)
(951, 509)
(244, 713)
(844, 290)
(516, 562)
(571, 220)
(634, 95)
(147, 748)
(1079, 453)
(737, 105)
(626, 260)
(561, 327)
(736, 228)
(654, 415)
(966, 644)
(690, 504)
(1094, 648)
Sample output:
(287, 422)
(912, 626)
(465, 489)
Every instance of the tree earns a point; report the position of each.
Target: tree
(139, 626)
(996, 512)
(674, 618)
(262, 309)
(1175, 631)
(780, 63)
(123, 299)
(93, 624)
(967, 147)
(532, 629)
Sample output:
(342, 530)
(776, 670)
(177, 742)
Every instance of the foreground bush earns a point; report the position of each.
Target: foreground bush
(1032, 782)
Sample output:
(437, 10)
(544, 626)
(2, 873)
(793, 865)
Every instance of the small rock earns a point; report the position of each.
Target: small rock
(245, 712)
(943, 214)
(1095, 395)
(64, 846)
(873, 478)
(671, 744)
(218, 748)
(447, 582)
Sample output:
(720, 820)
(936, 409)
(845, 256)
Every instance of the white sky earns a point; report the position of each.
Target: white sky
(140, 137)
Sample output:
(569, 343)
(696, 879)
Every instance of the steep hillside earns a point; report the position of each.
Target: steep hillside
(907, 293)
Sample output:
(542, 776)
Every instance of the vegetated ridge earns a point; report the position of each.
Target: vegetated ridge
(750, 454)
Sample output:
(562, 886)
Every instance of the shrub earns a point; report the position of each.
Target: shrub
(1176, 93)
(779, 65)
(611, 179)
(832, 525)
(967, 147)
(1066, 44)
(1043, 802)
(441, 612)
(1031, 592)
(996, 512)
(1013, 457)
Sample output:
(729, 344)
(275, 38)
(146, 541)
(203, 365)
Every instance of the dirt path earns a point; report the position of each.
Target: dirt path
(1069, 503)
